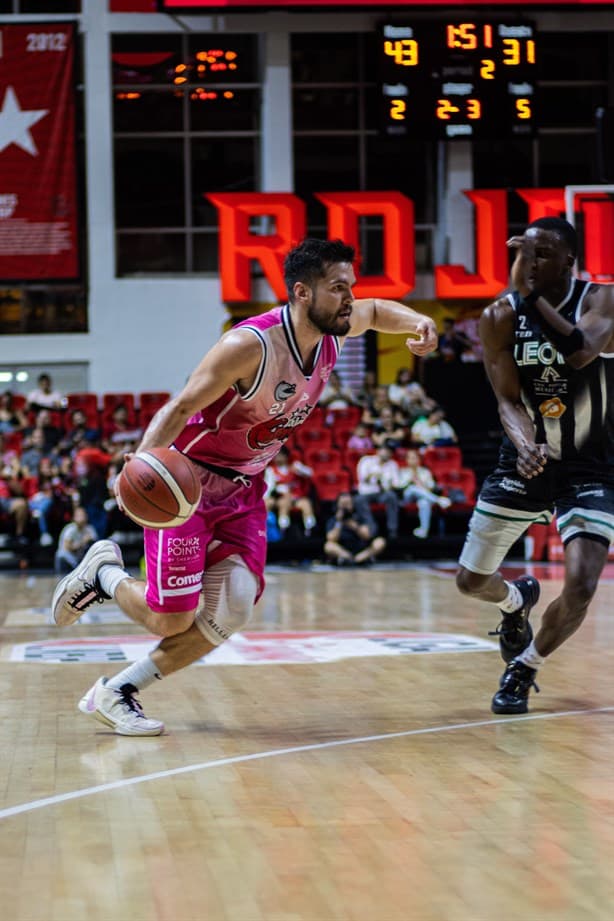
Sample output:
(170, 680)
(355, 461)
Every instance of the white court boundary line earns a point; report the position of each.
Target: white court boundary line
(257, 756)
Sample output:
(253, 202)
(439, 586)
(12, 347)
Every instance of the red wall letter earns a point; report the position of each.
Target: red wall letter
(454, 281)
(397, 211)
(543, 202)
(238, 244)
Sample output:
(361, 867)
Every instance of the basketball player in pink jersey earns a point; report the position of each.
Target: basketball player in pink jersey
(248, 394)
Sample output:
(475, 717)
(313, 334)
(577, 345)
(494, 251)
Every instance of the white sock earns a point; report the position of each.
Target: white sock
(140, 674)
(310, 523)
(110, 576)
(284, 522)
(513, 601)
(530, 656)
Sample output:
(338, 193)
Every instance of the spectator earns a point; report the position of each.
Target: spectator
(52, 434)
(349, 536)
(120, 434)
(418, 485)
(34, 452)
(40, 504)
(9, 456)
(11, 418)
(387, 430)
(377, 478)
(376, 403)
(360, 439)
(75, 540)
(44, 396)
(78, 432)
(287, 484)
(336, 395)
(433, 429)
(453, 343)
(367, 389)
(399, 391)
(418, 402)
(91, 471)
(14, 503)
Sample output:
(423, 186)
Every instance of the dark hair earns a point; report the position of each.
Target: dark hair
(309, 261)
(563, 228)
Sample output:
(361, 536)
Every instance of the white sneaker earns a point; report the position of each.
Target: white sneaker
(421, 533)
(46, 540)
(119, 709)
(80, 588)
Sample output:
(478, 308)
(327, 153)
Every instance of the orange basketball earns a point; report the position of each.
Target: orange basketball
(159, 488)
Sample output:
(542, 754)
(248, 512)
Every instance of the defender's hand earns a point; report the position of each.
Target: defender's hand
(426, 340)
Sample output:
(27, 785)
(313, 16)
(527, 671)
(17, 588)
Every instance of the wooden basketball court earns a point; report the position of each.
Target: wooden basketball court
(351, 770)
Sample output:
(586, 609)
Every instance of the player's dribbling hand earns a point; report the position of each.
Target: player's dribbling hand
(532, 459)
(427, 340)
(127, 456)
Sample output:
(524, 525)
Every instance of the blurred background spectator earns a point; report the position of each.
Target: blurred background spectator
(336, 394)
(288, 482)
(350, 537)
(433, 429)
(44, 396)
(417, 484)
(12, 419)
(75, 540)
(377, 477)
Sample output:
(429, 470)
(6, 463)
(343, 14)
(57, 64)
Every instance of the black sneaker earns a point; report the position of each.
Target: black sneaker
(515, 632)
(513, 694)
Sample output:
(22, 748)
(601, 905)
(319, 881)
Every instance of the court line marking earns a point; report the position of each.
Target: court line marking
(276, 752)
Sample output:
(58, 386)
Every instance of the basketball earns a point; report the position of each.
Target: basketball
(159, 488)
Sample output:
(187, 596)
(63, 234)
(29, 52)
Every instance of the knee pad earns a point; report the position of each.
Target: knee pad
(230, 589)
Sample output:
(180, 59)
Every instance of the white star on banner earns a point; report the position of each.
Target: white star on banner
(16, 122)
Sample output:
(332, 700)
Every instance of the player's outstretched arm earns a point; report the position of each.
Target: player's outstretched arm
(232, 360)
(497, 335)
(392, 317)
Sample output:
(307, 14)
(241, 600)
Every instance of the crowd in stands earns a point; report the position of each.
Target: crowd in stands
(60, 455)
(366, 466)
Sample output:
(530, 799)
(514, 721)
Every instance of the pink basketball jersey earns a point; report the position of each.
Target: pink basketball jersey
(245, 431)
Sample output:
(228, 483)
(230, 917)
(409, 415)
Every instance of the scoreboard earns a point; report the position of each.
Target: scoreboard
(457, 79)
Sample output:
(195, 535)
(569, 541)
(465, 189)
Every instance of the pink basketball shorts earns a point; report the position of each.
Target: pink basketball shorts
(231, 518)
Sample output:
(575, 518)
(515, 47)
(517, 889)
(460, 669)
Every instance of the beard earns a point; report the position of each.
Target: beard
(329, 326)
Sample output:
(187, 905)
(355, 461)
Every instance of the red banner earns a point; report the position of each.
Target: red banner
(38, 202)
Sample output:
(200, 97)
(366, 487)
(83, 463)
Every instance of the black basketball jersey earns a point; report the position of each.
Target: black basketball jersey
(573, 410)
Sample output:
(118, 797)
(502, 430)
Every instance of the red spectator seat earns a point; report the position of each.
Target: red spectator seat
(350, 460)
(346, 415)
(442, 459)
(329, 483)
(88, 402)
(323, 458)
(308, 437)
(13, 441)
(111, 400)
(149, 402)
(316, 419)
(20, 401)
(463, 479)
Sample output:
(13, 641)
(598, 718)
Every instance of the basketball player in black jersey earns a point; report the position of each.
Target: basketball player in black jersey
(549, 355)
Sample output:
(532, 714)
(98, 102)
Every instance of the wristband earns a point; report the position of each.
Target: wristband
(565, 343)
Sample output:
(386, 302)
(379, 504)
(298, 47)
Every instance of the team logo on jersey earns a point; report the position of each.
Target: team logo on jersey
(279, 428)
(552, 408)
(284, 391)
(325, 372)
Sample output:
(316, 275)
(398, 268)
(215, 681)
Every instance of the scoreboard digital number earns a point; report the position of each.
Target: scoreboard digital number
(458, 79)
